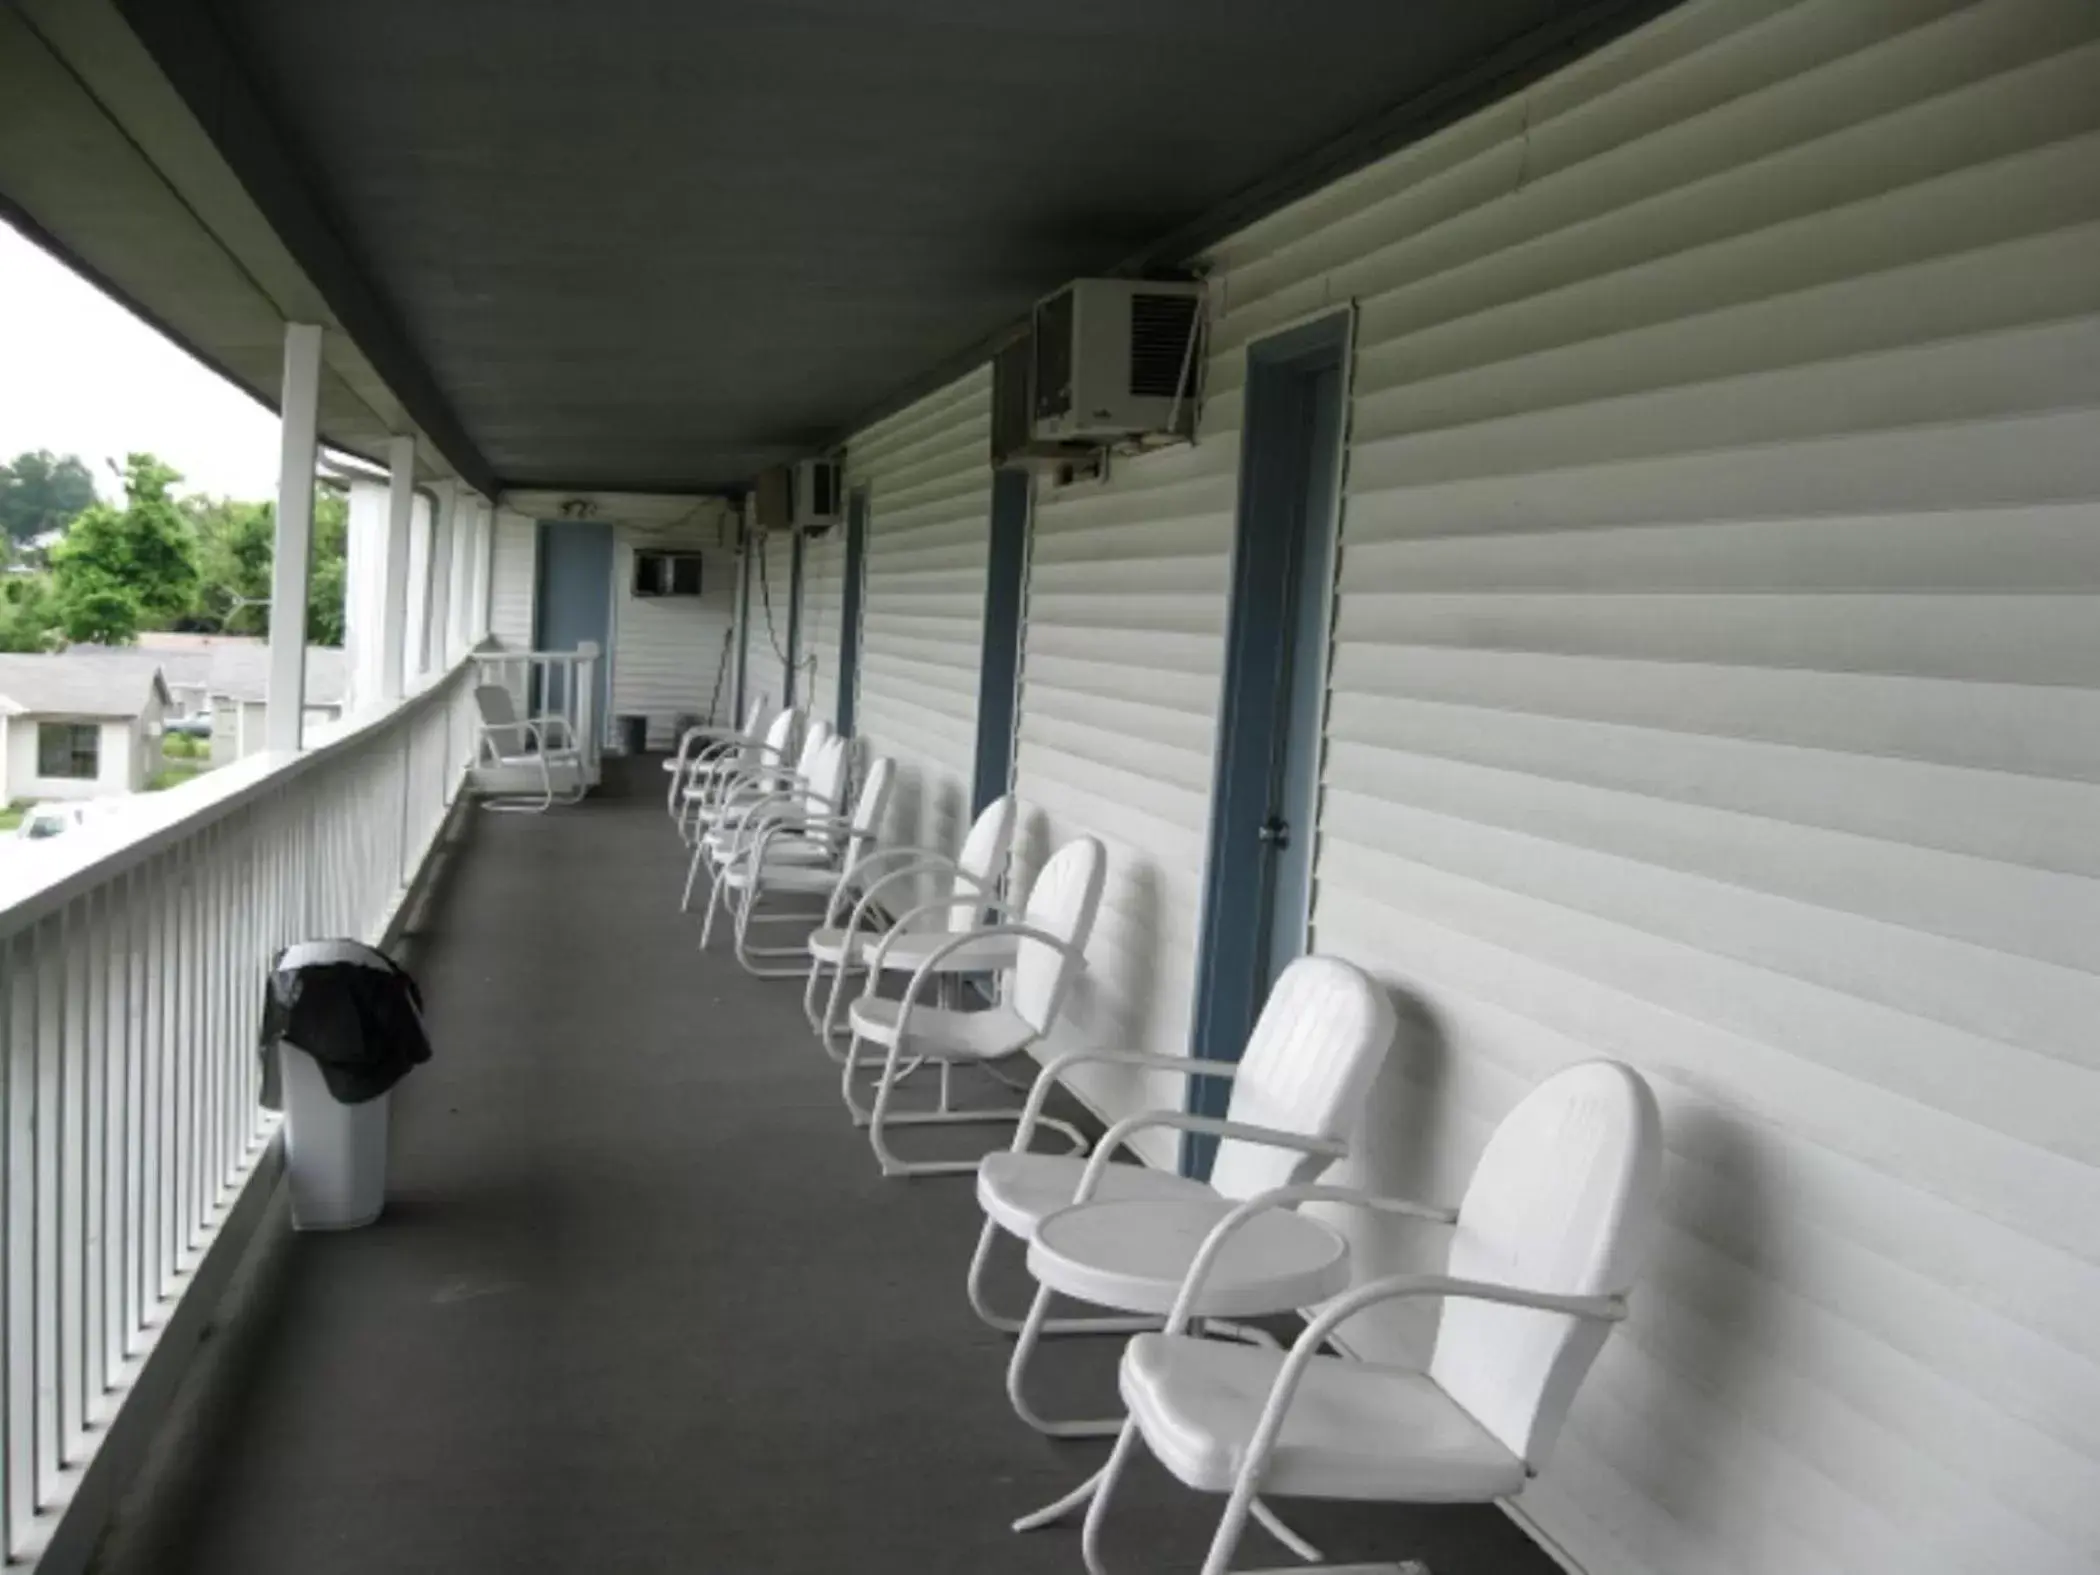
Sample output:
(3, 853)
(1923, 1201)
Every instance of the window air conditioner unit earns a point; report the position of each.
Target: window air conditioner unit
(819, 500)
(1115, 358)
(772, 498)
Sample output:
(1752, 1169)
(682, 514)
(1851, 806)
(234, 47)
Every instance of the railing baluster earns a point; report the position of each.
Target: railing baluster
(50, 1117)
(18, 1219)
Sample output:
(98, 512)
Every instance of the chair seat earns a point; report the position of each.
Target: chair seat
(946, 1036)
(992, 954)
(789, 877)
(1354, 1430)
(1017, 1190)
(787, 847)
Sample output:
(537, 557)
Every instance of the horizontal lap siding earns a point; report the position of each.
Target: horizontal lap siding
(1119, 696)
(668, 651)
(823, 602)
(1716, 685)
(514, 579)
(928, 474)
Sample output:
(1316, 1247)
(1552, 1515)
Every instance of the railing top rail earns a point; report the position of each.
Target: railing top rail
(588, 648)
(155, 821)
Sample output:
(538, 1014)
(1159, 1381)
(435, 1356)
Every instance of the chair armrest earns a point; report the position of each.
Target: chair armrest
(1209, 1126)
(880, 956)
(549, 721)
(932, 965)
(1053, 1072)
(890, 878)
(1284, 1198)
(1247, 1478)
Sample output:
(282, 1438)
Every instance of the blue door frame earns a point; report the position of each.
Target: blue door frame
(1264, 787)
(849, 609)
(574, 601)
(999, 667)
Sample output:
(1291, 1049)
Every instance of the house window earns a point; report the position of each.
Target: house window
(69, 749)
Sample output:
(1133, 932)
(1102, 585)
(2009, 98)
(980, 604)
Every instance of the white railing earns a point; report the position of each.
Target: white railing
(558, 683)
(132, 963)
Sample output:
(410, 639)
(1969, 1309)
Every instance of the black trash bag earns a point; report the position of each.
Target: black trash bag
(353, 1009)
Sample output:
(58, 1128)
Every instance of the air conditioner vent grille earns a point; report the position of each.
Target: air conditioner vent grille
(1159, 343)
(1053, 356)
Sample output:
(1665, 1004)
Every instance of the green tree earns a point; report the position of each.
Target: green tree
(121, 570)
(42, 491)
(236, 546)
(28, 613)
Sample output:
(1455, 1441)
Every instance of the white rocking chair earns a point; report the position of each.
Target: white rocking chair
(718, 807)
(740, 767)
(815, 795)
(525, 764)
(795, 854)
(971, 877)
(1296, 1093)
(1550, 1237)
(704, 753)
(1052, 934)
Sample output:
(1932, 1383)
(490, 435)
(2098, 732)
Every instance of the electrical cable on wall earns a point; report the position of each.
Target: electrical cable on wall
(765, 598)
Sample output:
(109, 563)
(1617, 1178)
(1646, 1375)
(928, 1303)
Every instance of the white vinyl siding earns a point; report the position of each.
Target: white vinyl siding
(1716, 686)
(668, 651)
(514, 579)
(928, 471)
(772, 601)
(823, 606)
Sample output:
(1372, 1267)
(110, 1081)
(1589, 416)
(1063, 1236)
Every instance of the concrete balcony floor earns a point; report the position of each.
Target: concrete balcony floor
(640, 1302)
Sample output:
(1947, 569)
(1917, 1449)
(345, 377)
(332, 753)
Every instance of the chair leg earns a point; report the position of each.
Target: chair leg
(714, 906)
(1007, 1323)
(692, 874)
(1017, 1381)
(879, 1119)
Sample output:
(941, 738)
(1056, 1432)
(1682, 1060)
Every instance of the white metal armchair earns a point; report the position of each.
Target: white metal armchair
(717, 808)
(884, 879)
(1051, 932)
(742, 766)
(791, 854)
(1550, 1237)
(811, 799)
(1296, 1092)
(525, 763)
(705, 753)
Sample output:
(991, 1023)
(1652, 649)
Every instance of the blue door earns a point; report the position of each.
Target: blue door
(574, 603)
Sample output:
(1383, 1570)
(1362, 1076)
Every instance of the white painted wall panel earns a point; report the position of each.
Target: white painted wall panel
(928, 474)
(823, 607)
(669, 652)
(1716, 685)
(514, 579)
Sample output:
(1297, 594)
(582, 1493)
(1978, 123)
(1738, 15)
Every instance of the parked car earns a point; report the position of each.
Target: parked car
(51, 820)
(188, 726)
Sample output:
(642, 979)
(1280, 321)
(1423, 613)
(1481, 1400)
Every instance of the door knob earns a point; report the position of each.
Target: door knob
(1276, 832)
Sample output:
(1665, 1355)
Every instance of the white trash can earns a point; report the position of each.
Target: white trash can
(335, 1154)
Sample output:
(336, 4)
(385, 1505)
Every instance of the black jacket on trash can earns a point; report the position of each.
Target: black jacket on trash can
(353, 1009)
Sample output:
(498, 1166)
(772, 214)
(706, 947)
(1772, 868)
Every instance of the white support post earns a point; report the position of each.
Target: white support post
(301, 406)
(393, 617)
(464, 526)
(438, 621)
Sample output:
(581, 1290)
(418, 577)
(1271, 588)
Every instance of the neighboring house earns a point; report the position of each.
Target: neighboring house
(226, 677)
(79, 729)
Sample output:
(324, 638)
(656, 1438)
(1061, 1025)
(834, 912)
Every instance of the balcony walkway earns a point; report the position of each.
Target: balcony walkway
(640, 1302)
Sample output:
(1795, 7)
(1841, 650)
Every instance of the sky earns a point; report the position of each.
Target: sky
(80, 375)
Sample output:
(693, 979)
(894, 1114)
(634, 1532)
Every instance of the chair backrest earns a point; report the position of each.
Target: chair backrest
(814, 738)
(869, 807)
(499, 719)
(825, 772)
(1320, 1039)
(1062, 903)
(983, 858)
(779, 736)
(1563, 1200)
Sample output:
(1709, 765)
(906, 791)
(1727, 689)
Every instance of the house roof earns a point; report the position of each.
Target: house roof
(119, 684)
(234, 665)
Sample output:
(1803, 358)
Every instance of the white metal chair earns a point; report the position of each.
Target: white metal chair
(814, 795)
(968, 880)
(524, 763)
(716, 808)
(704, 753)
(1296, 1092)
(757, 870)
(1549, 1238)
(1052, 933)
(742, 768)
